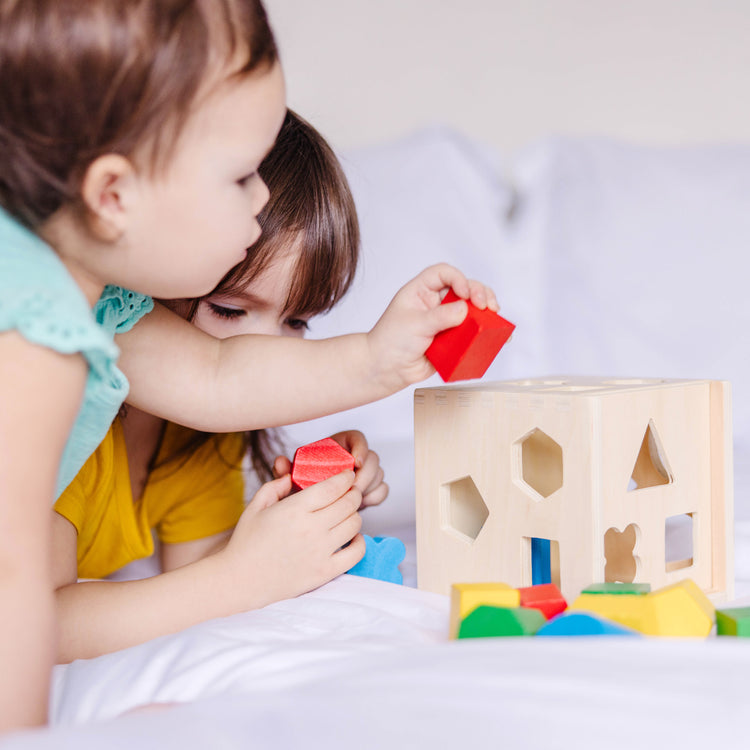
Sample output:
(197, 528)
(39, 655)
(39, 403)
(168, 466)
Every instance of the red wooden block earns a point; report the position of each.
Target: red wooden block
(317, 461)
(545, 597)
(467, 350)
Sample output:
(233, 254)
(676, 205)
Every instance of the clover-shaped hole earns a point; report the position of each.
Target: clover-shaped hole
(619, 548)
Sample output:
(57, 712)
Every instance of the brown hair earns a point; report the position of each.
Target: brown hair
(79, 79)
(310, 209)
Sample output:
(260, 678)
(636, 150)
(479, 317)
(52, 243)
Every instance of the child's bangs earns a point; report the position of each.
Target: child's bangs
(322, 276)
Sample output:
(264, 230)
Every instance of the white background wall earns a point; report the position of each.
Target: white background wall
(508, 71)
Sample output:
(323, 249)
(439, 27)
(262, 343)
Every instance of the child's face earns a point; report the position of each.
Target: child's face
(195, 222)
(257, 309)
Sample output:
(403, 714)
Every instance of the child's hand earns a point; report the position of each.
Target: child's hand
(285, 545)
(415, 316)
(368, 476)
(368, 471)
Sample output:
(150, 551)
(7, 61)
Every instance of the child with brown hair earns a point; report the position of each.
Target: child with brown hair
(130, 137)
(150, 474)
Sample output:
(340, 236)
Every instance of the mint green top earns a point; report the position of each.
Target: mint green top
(40, 300)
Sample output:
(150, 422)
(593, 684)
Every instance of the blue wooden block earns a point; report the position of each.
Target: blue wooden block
(382, 557)
(583, 623)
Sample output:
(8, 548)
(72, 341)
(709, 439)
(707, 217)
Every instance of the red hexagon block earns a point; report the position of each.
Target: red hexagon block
(467, 350)
(317, 461)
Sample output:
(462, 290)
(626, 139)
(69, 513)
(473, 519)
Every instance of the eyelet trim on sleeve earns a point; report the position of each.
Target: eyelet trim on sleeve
(118, 309)
(57, 322)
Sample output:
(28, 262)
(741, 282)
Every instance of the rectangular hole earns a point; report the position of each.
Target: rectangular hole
(678, 541)
(545, 560)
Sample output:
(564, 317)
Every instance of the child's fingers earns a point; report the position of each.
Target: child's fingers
(443, 276)
(447, 316)
(325, 493)
(271, 492)
(347, 557)
(346, 531)
(376, 496)
(281, 466)
(354, 442)
(492, 302)
(482, 296)
(344, 507)
(370, 475)
(367, 473)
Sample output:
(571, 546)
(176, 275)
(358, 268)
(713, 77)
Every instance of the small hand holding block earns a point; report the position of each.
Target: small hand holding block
(467, 350)
(382, 557)
(317, 461)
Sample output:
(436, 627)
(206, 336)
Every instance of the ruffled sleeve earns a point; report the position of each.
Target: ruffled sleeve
(118, 309)
(41, 300)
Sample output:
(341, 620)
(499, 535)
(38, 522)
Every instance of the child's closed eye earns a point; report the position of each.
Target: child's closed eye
(227, 313)
(297, 324)
(242, 182)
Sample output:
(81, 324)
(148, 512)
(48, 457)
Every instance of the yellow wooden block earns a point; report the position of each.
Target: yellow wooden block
(466, 597)
(681, 609)
(631, 611)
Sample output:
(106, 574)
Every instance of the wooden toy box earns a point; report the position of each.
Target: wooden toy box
(595, 468)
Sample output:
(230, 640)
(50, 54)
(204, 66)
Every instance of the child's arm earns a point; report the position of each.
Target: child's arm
(179, 373)
(173, 556)
(279, 549)
(42, 392)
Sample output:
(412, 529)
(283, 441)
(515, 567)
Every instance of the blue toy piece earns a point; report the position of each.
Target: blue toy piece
(382, 557)
(583, 623)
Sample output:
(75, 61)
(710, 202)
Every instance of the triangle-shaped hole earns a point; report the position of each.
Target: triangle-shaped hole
(651, 466)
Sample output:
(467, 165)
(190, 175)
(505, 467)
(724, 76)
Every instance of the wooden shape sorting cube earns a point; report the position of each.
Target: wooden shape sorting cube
(317, 461)
(467, 350)
(597, 466)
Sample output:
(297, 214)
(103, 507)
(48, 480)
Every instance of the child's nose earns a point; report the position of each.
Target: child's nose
(260, 196)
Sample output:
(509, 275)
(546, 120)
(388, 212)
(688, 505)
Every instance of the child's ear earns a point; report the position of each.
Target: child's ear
(107, 194)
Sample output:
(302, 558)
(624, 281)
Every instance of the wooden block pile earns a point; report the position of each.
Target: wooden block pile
(678, 610)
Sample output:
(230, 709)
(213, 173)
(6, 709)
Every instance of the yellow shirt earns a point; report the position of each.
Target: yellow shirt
(183, 500)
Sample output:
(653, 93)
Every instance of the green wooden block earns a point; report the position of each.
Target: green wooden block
(734, 621)
(491, 622)
(618, 588)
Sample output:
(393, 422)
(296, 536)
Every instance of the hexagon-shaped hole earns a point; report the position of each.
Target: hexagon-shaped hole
(541, 463)
(466, 510)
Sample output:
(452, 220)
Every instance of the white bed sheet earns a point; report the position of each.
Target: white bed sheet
(366, 663)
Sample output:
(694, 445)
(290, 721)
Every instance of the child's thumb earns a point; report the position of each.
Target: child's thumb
(271, 492)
